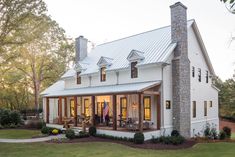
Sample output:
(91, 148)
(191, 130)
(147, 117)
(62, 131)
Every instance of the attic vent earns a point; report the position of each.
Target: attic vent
(104, 61)
(135, 55)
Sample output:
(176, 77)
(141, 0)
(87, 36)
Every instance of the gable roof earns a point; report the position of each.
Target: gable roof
(135, 55)
(153, 46)
(104, 61)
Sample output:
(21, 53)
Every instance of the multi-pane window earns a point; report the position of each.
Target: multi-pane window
(207, 77)
(78, 78)
(102, 74)
(205, 108)
(211, 104)
(194, 109)
(147, 108)
(199, 75)
(193, 71)
(134, 70)
(123, 108)
(86, 107)
(72, 108)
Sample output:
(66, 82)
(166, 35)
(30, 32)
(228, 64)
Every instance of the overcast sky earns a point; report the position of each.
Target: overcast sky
(106, 20)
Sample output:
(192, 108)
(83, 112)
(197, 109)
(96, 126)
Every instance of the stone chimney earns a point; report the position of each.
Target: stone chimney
(180, 70)
(80, 48)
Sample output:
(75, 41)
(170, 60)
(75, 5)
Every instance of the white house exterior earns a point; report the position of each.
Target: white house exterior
(152, 82)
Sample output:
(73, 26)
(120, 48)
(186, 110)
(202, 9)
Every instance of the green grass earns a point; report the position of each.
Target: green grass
(100, 149)
(18, 133)
(233, 136)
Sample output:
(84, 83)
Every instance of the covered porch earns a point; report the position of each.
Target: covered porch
(127, 107)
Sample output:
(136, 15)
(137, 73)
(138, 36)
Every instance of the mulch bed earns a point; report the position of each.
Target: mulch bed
(146, 145)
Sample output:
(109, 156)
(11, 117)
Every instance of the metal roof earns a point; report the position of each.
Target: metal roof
(56, 90)
(156, 46)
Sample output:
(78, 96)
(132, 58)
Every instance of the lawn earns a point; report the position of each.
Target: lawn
(99, 149)
(18, 133)
(233, 136)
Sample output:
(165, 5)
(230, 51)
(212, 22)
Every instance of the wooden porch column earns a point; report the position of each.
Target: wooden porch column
(158, 112)
(141, 109)
(47, 110)
(114, 112)
(65, 107)
(60, 110)
(93, 110)
(75, 111)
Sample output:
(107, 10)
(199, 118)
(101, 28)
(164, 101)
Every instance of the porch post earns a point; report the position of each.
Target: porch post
(75, 111)
(60, 110)
(141, 108)
(65, 107)
(158, 112)
(93, 110)
(47, 110)
(114, 112)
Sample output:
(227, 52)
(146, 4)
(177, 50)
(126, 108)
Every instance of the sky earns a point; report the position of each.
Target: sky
(105, 20)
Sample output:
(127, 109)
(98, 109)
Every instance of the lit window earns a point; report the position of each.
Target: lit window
(123, 108)
(194, 109)
(102, 74)
(168, 104)
(86, 107)
(78, 78)
(72, 108)
(199, 75)
(207, 77)
(134, 70)
(205, 108)
(193, 71)
(147, 108)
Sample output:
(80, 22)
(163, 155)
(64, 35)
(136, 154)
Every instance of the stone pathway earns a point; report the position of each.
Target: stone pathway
(41, 139)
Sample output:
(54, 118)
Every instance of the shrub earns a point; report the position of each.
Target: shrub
(114, 137)
(139, 138)
(222, 135)
(45, 130)
(92, 130)
(1, 127)
(227, 131)
(15, 117)
(175, 133)
(70, 134)
(210, 132)
(5, 118)
(55, 131)
(82, 134)
(176, 140)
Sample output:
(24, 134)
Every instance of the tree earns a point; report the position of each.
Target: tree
(230, 5)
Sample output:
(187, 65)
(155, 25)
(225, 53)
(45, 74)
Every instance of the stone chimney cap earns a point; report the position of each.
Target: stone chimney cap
(178, 4)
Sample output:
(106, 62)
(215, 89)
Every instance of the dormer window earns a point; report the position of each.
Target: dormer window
(103, 74)
(134, 70)
(78, 78)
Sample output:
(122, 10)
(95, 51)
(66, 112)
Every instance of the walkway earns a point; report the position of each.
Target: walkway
(41, 139)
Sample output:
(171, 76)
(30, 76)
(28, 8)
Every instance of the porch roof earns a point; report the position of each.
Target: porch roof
(101, 90)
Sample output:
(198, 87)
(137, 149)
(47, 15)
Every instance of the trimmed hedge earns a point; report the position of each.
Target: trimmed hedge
(139, 138)
(92, 130)
(174, 140)
(70, 134)
(114, 137)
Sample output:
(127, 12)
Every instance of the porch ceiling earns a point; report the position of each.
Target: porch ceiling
(101, 90)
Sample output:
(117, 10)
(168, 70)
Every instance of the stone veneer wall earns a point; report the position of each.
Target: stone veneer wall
(180, 70)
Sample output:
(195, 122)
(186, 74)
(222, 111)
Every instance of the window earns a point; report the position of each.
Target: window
(72, 108)
(78, 78)
(168, 104)
(207, 77)
(134, 70)
(194, 109)
(102, 74)
(205, 108)
(86, 107)
(123, 108)
(147, 108)
(211, 104)
(193, 71)
(199, 75)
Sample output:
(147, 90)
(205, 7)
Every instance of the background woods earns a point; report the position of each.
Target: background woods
(34, 52)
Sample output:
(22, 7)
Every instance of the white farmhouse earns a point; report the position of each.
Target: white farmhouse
(151, 82)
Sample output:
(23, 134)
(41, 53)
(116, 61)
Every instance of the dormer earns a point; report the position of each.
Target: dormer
(79, 67)
(135, 55)
(104, 62)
